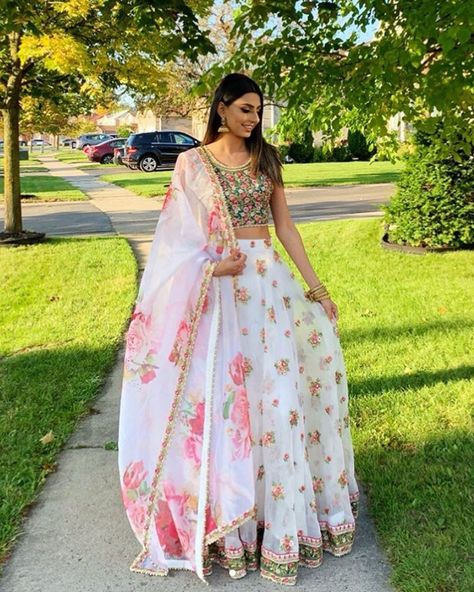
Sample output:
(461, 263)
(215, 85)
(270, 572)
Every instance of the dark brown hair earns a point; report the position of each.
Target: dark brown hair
(265, 157)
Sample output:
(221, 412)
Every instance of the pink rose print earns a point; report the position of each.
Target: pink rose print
(324, 362)
(287, 301)
(338, 377)
(262, 335)
(286, 543)
(294, 417)
(240, 410)
(210, 522)
(134, 475)
(275, 283)
(261, 266)
(287, 333)
(301, 488)
(242, 295)
(282, 366)
(275, 402)
(329, 409)
(328, 459)
(314, 338)
(268, 438)
(271, 314)
(166, 530)
(214, 224)
(147, 376)
(318, 485)
(236, 369)
(167, 197)
(192, 449)
(241, 445)
(314, 387)
(278, 491)
(343, 480)
(137, 514)
(301, 369)
(244, 331)
(247, 366)
(197, 423)
(314, 437)
(286, 457)
(260, 473)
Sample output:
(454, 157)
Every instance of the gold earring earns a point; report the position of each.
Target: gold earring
(223, 127)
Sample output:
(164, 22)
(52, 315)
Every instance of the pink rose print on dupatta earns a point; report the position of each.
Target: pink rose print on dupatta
(167, 197)
(134, 475)
(182, 336)
(210, 522)
(137, 514)
(166, 530)
(237, 369)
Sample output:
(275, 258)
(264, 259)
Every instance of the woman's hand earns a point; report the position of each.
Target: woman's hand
(330, 309)
(231, 265)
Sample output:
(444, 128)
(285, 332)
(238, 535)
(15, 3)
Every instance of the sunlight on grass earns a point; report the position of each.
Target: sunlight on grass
(48, 188)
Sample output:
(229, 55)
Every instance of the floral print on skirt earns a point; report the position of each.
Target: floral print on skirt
(306, 491)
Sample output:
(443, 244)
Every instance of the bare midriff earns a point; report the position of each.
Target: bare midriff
(254, 232)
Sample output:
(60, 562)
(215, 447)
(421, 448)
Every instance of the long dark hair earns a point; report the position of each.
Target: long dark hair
(265, 158)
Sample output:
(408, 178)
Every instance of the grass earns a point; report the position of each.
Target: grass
(71, 156)
(294, 175)
(146, 184)
(32, 165)
(406, 324)
(47, 188)
(63, 308)
(336, 173)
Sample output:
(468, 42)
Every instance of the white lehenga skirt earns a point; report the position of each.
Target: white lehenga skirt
(306, 491)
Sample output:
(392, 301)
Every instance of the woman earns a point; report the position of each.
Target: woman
(234, 439)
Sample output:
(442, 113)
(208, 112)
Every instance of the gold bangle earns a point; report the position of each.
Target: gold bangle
(316, 297)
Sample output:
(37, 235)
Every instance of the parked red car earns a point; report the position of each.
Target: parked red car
(104, 152)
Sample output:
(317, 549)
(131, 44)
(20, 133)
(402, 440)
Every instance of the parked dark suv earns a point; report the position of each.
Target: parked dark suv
(149, 150)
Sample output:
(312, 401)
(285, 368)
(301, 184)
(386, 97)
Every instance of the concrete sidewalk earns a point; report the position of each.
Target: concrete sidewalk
(76, 536)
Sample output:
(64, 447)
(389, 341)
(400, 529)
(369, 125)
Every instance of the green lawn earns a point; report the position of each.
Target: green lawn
(147, 184)
(32, 165)
(294, 175)
(47, 188)
(406, 324)
(335, 173)
(64, 305)
(71, 156)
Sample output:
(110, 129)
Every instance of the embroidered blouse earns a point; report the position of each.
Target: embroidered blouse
(247, 197)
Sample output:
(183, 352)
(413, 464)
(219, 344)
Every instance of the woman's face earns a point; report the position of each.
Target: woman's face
(242, 115)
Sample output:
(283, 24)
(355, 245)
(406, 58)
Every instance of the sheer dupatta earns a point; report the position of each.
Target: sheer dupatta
(184, 455)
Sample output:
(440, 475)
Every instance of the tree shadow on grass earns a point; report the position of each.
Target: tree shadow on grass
(380, 334)
(411, 381)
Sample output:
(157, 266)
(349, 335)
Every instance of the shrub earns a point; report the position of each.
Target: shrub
(434, 203)
(358, 145)
(302, 151)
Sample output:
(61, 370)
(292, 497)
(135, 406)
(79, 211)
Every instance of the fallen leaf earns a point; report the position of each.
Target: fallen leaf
(47, 438)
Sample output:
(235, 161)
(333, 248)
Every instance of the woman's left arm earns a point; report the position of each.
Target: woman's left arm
(290, 238)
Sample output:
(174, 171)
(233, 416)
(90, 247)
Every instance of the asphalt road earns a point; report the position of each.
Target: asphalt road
(322, 203)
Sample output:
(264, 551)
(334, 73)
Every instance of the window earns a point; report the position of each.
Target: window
(165, 138)
(183, 139)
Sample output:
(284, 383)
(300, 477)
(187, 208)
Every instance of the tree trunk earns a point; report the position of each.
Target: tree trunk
(11, 112)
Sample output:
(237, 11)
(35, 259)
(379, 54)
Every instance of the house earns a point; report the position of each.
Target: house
(111, 122)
